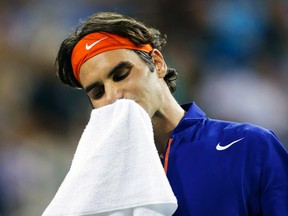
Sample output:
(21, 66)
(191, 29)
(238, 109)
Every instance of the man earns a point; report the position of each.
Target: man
(214, 167)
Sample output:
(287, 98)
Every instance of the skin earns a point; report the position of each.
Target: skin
(120, 73)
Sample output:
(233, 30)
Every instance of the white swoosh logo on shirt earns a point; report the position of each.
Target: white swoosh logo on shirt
(221, 148)
(88, 47)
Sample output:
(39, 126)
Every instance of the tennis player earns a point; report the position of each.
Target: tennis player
(214, 167)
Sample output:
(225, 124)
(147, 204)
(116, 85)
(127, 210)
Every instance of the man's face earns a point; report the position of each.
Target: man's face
(121, 73)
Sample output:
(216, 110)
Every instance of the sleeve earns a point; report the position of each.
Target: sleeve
(274, 177)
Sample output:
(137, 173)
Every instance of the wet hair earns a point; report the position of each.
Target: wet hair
(114, 23)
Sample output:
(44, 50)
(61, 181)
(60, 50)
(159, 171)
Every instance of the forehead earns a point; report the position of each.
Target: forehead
(111, 57)
(105, 61)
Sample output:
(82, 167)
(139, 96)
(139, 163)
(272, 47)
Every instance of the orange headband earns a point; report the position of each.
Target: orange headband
(95, 43)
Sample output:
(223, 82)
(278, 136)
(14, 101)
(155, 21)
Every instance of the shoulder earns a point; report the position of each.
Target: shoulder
(248, 130)
(254, 134)
(257, 140)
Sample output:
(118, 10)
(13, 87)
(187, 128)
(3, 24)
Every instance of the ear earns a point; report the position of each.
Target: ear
(159, 62)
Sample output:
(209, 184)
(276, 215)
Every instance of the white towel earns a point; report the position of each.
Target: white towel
(116, 169)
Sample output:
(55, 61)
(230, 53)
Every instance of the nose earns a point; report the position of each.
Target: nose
(112, 93)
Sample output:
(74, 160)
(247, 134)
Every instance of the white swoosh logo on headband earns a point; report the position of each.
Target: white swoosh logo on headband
(88, 47)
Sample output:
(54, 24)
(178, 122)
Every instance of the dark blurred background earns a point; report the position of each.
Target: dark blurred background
(232, 58)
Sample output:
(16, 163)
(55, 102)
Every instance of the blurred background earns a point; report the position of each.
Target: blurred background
(232, 58)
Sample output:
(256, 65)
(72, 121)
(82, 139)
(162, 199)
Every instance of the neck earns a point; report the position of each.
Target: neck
(164, 121)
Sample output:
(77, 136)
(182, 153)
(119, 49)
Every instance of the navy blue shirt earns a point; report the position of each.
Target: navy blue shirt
(221, 168)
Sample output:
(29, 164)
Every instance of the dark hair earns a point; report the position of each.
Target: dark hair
(114, 23)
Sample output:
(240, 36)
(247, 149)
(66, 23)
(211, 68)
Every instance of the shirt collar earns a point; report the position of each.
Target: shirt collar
(192, 116)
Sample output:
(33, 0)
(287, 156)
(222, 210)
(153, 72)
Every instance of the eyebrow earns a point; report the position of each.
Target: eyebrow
(120, 65)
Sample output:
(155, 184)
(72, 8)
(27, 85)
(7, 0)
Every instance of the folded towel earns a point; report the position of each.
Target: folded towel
(116, 169)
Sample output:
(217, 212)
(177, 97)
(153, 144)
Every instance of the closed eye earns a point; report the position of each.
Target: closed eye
(97, 92)
(122, 73)
(122, 70)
